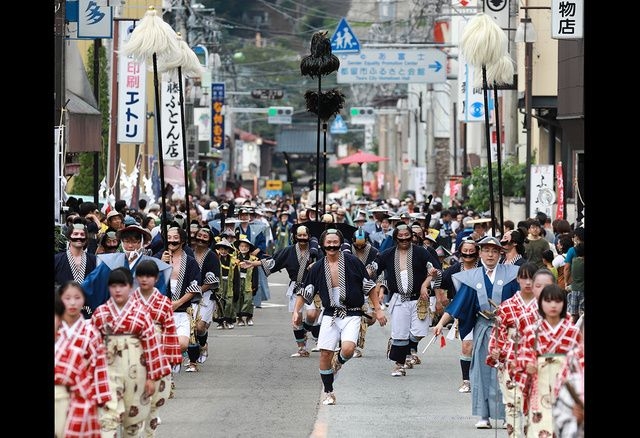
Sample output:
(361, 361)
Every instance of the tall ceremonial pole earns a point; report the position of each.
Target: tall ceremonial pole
(321, 62)
(154, 39)
(484, 45)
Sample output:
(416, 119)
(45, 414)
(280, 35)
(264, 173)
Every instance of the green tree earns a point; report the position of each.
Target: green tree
(477, 185)
(83, 182)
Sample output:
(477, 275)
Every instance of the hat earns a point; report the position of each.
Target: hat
(283, 213)
(360, 217)
(489, 240)
(154, 207)
(213, 205)
(224, 243)
(245, 239)
(378, 210)
(113, 213)
(136, 228)
(430, 238)
(231, 220)
(244, 211)
(405, 215)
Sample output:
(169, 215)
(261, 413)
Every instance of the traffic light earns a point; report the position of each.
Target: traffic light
(362, 111)
(363, 115)
(280, 114)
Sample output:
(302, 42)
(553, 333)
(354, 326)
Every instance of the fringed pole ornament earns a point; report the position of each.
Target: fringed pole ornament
(320, 62)
(484, 45)
(151, 39)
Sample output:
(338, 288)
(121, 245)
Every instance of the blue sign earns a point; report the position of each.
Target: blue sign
(344, 40)
(338, 126)
(217, 118)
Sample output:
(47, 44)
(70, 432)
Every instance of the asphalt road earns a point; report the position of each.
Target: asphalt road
(251, 387)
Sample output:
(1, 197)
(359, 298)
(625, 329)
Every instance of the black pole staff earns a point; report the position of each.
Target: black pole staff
(324, 164)
(156, 89)
(184, 150)
(318, 149)
(499, 150)
(319, 62)
(488, 141)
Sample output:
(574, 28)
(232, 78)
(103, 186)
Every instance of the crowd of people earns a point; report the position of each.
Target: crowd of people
(143, 282)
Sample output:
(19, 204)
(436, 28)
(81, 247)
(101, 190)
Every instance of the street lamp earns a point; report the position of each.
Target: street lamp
(525, 33)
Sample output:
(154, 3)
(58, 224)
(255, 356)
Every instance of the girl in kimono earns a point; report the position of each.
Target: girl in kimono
(80, 368)
(542, 355)
(503, 345)
(135, 357)
(161, 311)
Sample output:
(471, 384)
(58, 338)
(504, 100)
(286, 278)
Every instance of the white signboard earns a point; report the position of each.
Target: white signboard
(543, 195)
(132, 97)
(567, 19)
(171, 121)
(499, 11)
(94, 21)
(202, 119)
(393, 66)
(418, 181)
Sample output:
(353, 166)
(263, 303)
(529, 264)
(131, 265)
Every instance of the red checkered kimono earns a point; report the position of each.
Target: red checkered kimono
(160, 308)
(161, 311)
(132, 342)
(545, 347)
(81, 365)
(573, 364)
(514, 316)
(133, 320)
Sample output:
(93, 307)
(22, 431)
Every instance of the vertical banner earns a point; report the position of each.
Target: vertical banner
(559, 191)
(172, 141)
(419, 175)
(471, 108)
(132, 96)
(94, 21)
(541, 188)
(217, 118)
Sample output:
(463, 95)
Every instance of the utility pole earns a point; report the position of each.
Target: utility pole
(59, 98)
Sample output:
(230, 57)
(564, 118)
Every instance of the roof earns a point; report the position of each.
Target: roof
(301, 140)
